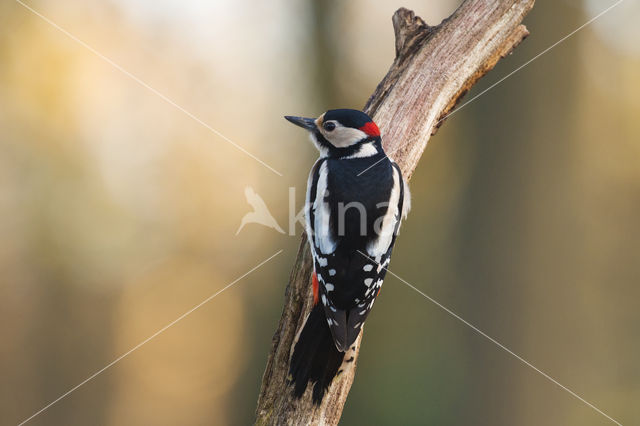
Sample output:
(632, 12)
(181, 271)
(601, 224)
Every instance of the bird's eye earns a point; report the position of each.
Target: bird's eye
(329, 126)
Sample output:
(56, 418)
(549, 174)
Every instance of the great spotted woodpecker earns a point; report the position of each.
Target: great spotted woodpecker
(356, 198)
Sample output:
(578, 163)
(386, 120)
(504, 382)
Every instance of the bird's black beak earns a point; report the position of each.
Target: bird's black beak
(305, 123)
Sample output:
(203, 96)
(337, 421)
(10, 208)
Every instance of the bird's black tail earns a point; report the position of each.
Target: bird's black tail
(315, 357)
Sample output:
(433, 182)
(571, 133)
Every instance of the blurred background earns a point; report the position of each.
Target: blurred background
(119, 212)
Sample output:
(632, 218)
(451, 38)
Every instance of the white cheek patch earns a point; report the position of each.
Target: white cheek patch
(342, 137)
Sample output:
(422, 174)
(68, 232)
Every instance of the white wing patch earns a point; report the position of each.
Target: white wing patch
(386, 227)
(307, 209)
(323, 238)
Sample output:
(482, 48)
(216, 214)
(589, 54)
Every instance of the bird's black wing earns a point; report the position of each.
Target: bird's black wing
(374, 260)
(323, 241)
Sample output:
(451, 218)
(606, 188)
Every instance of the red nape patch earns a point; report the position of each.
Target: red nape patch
(371, 129)
(314, 282)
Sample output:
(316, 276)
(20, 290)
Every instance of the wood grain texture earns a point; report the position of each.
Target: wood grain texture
(433, 68)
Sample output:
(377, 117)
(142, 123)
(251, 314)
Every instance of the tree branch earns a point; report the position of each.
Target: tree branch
(433, 68)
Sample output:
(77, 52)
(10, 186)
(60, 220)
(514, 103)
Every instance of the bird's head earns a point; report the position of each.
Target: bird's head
(342, 133)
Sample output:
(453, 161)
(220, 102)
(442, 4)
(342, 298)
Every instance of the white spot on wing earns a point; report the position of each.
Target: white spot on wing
(368, 281)
(328, 287)
(383, 265)
(367, 268)
(332, 272)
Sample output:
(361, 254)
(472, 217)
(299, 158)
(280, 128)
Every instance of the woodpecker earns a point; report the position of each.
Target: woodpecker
(356, 199)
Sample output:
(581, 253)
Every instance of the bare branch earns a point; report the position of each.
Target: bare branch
(433, 68)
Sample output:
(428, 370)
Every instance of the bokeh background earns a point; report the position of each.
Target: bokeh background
(119, 212)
